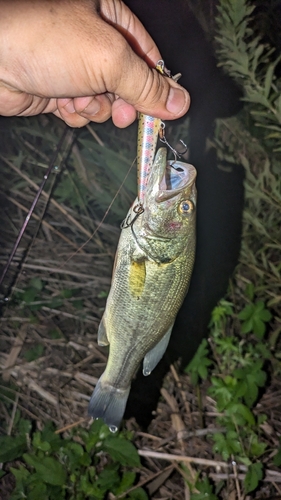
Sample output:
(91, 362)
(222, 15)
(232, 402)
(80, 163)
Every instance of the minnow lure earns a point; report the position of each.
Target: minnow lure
(152, 270)
(149, 129)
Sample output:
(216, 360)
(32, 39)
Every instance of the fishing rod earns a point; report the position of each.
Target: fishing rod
(67, 136)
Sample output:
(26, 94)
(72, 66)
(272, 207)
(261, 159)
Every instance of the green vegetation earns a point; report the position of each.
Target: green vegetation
(243, 352)
(62, 291)
(87, 464)
(252, 63)
(236, 377)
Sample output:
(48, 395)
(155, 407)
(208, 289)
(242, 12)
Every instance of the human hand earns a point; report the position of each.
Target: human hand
(83, 61)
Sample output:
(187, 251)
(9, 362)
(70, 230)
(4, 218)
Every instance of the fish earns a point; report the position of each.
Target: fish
(151, 275)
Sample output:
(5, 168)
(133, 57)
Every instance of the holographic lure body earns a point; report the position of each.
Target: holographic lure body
(148, 131)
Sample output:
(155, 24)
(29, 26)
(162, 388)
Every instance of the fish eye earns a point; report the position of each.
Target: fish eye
(185, 207)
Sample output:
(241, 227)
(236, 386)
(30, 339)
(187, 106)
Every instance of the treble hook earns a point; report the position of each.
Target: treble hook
(138, 209)
(160, 66)
(163, 139)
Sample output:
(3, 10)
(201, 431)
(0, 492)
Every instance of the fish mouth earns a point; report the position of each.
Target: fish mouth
(177, 177)
(170, 178)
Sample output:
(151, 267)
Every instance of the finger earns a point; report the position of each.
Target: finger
(98, 109)
(123, 114)
(79, 111)
(147, 91)
(71, 119)
(16, 103)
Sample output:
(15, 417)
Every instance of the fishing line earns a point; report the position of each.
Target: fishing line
(103, 218)
(70, 134)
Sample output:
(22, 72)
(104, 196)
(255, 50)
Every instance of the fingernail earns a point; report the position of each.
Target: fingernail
(69, 107)
(92, 108)
(176, 101)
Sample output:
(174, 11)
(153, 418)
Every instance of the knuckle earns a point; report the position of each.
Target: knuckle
(155, 89)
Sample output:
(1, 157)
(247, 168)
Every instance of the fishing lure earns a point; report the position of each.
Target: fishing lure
(149, 129)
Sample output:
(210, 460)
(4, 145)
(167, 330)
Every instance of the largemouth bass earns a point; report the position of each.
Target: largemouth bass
(152, 270)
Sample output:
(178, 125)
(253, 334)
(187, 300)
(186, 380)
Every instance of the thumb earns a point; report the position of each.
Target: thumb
(145, 89)
(150, 93)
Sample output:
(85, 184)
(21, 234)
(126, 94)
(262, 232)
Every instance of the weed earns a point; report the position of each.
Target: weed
(204, 490)
(86, 465)
(237, 376)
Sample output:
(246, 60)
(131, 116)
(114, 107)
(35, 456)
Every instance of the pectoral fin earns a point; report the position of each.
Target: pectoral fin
(102, 336)
(153, 357)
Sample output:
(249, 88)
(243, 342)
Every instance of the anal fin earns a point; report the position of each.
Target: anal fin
(102, 336)
(153, 356)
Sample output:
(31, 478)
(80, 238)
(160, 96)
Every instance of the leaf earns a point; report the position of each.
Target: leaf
(38, 491)
(220, 392)
(258, 52)
(86, 486)
(277, 458)
(12, 447)
(128, 479)
(76, 455)
(92, 437)
(259, 328)
(205, 490)
(268, 79)
(251, 394)
(39, 444)
(198, 366)
(48, 469)
(24, 426)
(265, 315)
(108, 478)
(55, 334)
(138, 494)
(76, 449)
(21, 474)
(242, 410)
(250, 291)
(254, 317)
(247, 312)
(48, 434)
(257, 448)
(227, 444)
(78, 304)
(67, 293)
(36, 283)
(34, 352)
(122, 451)
(253, 476)
(29, 295)
(55, 303)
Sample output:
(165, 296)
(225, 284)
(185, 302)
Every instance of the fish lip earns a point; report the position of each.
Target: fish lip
(190, 176)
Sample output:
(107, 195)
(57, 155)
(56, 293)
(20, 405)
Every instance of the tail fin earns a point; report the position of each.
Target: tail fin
(108, 402)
